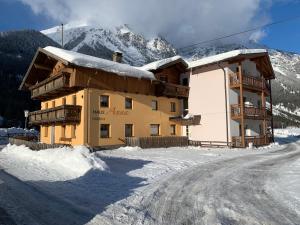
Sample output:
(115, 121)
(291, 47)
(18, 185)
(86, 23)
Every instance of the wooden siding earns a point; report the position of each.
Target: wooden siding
(249, 83)
(64, 114)
(249, 112)
(157, 142)
(195, 120)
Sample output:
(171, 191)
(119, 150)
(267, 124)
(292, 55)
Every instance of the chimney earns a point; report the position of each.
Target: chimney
(117, 57)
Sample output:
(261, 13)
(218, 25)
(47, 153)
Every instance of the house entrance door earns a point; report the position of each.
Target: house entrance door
(52, 135)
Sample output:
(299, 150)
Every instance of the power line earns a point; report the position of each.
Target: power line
(239, 33)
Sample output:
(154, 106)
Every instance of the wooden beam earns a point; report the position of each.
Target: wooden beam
(242, 105)
(40, 67)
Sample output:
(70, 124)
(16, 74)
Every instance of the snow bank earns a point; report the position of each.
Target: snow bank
(74, 162)
(290, 131)
(98, 63)
(14, 130)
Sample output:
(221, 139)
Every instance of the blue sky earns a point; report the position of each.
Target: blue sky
(14, 16)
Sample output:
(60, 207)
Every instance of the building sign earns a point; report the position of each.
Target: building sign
(100, 114)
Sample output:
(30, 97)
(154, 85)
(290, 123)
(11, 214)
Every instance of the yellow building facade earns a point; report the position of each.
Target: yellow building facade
(142, 117)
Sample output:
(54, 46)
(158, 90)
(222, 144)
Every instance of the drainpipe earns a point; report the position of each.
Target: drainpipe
(271, 105)
(226, 102)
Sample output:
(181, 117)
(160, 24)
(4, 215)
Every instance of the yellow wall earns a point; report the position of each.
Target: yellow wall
(79, 140)
(141, 116)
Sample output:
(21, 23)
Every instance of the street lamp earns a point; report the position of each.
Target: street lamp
(26, 114)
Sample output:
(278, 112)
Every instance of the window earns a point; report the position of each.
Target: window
(46, 105)
(258, 103)
(73, 131)
(154, 129)
(63, 131)
(173, 129)
(185, 82)
(128, 130)
(46, 131)
(154, 105)
(104, 101)
(53, 104)
(104, 130)
(128, 103)
(173, 107)
(63, 101)
(163, 78)
(74, 100)
(260, 129)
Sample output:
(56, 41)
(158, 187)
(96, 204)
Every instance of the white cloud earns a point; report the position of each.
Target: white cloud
(181, 21)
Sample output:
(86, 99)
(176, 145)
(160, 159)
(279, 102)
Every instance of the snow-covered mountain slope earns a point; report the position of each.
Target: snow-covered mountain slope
(102, 42)
(138, 50)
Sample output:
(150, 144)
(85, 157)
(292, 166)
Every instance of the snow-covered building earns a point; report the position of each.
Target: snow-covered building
(231, 92)
(97, 102)
(223, 99)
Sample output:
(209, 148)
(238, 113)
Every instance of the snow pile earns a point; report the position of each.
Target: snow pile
(15, 131)
(161, 63)
(73, 162)
(98, 63)
(288, 132)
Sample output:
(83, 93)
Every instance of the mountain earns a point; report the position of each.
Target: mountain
(138, 50)
(102, 43)
(17, 49)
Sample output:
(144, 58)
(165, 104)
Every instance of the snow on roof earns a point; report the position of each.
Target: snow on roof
(160, 63)
(224, 56)
(98, 63)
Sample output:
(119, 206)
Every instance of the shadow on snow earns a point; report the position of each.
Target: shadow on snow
(77, 201)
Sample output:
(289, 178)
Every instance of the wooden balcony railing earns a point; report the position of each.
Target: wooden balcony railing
(249, 83)
(172, 90)
(256, 140)
(250, 112)
(64, 114)
(51, 86)
(194, 120)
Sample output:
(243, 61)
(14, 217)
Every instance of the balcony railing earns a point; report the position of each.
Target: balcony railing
(172, 90)
(255, 140)
(249, 82)
(51, 86)
(250, 112)
(64, 114)
(190, 121)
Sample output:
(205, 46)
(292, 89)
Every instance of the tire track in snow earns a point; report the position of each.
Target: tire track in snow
(225, 192)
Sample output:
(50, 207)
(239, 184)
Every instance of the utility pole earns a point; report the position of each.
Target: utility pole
(62, 35)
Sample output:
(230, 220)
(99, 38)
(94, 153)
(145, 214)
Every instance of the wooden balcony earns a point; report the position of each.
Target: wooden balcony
(191, 121)
(250, 83)
(172, 90)
(64, 114)
(256, 140)
(250, 112)
(50, 87)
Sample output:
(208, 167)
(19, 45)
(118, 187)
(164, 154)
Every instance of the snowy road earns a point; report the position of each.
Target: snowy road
(229, 191)
(154, 186)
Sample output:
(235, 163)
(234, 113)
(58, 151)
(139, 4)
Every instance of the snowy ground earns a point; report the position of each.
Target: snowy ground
(5, 133)
(135, 186)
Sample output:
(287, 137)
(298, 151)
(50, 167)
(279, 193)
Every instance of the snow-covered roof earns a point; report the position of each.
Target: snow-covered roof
(87, 61)
(224, 56)
(162, 63)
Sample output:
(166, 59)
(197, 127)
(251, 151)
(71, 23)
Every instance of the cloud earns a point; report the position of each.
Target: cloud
(180, 21)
